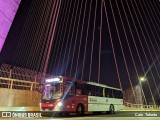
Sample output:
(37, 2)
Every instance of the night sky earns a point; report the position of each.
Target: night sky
(28, 40)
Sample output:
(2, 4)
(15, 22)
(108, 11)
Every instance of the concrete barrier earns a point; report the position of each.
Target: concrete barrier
(19, 98)
(37, 108)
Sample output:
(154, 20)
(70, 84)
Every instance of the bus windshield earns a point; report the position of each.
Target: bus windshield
(52, 91)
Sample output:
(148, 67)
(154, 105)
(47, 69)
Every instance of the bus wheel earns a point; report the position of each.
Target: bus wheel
(80, 110)
(60, 114)
(63, 114)
(111, 109)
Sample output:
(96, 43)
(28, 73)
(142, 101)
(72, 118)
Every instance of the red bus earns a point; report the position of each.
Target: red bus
(67, 95)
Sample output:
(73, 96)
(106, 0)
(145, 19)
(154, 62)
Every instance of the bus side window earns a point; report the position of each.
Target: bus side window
(114, 94)
(106, 93)
(117, 94)
(67, 85)
(81, 87)
(90, 90)
(109, 93)
(84, 89)
(95, 91)
(72, 90)
(100, 91)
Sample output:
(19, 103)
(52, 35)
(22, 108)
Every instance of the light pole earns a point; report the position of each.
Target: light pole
(142, 79)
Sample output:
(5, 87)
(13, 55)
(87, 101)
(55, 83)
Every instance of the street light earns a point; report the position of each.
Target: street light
(141, 79)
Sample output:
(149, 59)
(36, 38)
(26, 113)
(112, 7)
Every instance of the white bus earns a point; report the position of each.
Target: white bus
(104, 98)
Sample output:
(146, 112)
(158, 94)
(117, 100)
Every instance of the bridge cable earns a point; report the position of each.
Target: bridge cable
(67, 60)
(19, 44)
(100, 42)
(63, 32)
(155, 14)
(86, 39)
(126, 66)
(157, 57)
(56, 39)
(75, 75)
(157, 5)
(93, 39)
(72, 35)
(70, 72)
(43, 31)
(29, 34)
(36, 38)
(58, 46)
(112, 45)
(47, 34)
(65, 69)
(148, 47)
(65, 49)
(155, 30)
(51, 41)
(127, 39)
(43, 36)
(135, 45)
(141, 46)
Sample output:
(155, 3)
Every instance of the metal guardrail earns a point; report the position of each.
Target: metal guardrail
(9, 71)
(18, 83)
(17, 75)
(20, 78)
(142, 106)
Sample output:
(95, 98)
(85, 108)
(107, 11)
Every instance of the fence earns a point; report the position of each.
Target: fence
(18, 84)
(142, 106)
(18, 78)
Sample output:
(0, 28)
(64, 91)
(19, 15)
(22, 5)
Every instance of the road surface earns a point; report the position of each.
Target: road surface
(118, 116)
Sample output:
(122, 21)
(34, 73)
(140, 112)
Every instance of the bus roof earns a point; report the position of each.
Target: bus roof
(91, 83)
(102, 85)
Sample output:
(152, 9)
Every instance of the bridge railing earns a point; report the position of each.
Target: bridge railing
(14, 72)
(20, 79)
(18, 84)
(127, 104)
(17, 75)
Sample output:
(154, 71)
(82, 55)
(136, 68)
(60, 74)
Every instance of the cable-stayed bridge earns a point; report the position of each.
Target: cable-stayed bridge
(115, 43)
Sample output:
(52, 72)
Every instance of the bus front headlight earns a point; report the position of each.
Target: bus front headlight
(59, 104)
